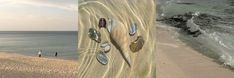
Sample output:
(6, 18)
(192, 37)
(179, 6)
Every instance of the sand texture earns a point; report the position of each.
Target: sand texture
(176, 59)
(123, 12)
(19, 66)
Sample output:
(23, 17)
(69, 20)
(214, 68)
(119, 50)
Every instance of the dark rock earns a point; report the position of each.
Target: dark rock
(185, 3)
(206, 21)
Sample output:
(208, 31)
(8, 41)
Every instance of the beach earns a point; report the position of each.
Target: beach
(175, 59)
(20, 66)
(122, 62)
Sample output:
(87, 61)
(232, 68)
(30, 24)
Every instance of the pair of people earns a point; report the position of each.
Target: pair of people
(40, 53)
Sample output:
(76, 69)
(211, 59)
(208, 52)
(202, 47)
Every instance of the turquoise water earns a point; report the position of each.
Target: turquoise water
(29, 42)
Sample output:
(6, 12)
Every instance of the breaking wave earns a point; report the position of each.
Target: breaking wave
(216, 22)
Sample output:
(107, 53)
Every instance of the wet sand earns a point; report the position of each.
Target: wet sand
(123, 12)
(20, 66)
(177, 60)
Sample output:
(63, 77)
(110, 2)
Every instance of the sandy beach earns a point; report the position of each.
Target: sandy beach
(20, 66)
(177, 60)
(123, 13)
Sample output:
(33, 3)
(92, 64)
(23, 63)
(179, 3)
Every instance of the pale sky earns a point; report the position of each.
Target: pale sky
(38, 15)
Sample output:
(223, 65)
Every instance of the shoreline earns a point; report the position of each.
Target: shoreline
(14, 65)
(175, 59)
(51, 56)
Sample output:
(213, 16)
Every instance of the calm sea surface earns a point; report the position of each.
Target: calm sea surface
(29, 42)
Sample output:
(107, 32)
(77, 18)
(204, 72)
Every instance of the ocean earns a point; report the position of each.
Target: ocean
(217, 39)
(29, 43)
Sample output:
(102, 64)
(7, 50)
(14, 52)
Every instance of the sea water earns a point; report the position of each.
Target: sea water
(30, 42)
(217, 40)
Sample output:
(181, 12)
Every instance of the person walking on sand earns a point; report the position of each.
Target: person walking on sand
(56, 54)
(39, 53)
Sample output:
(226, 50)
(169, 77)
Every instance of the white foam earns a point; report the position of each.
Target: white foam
(193, 27)
(227, 60)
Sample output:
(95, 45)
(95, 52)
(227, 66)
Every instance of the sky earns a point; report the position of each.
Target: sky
(38, 15)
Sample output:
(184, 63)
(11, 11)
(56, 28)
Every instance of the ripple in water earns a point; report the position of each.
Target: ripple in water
(121, 61)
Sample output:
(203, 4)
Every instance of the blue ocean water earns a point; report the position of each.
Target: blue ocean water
(29, 43)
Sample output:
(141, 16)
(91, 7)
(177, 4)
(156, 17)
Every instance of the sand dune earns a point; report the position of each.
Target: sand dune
(123, 12)
(19, 66)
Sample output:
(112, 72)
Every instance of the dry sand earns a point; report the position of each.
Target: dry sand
(142, 12)
(176, 60)
(20, 66)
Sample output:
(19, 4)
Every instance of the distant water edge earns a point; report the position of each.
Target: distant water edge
(50, 42)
